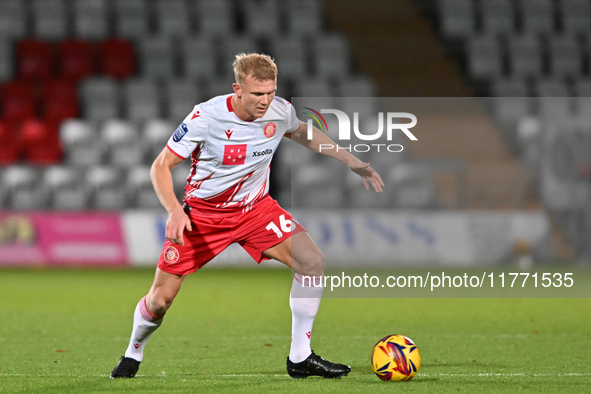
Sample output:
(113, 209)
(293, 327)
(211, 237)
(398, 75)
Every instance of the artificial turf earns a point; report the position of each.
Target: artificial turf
(229, 330)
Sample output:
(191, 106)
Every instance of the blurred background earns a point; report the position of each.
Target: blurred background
(91, 90)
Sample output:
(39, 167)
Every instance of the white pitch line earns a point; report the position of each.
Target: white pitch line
(253, 375)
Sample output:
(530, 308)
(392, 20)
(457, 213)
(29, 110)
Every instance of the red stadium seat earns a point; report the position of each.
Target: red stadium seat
(40, 142)
(35, 59)
(9, 145)
(117, 58)
(59, 100)
(18, 100)
(77, 59)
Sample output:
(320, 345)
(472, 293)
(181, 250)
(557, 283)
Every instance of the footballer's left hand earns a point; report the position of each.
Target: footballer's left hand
(369, 175)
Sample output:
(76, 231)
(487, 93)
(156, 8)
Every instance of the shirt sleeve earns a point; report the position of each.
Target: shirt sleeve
(190, 133)
(292, 119)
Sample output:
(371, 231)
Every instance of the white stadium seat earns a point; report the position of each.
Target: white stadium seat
(142, 99)
(215, 17)
(100, 98)
(498, 16)
(65, 188)
(157, 57)
(173, 17)
(50, 19)
(13, 22)
(182, 96)
(525, 56)
(131, 18)
(198, 57)
(457, 18)
(484, 57)
(91, 19)
(81, 144)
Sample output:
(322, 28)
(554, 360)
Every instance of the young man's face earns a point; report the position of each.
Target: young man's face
(256, 96)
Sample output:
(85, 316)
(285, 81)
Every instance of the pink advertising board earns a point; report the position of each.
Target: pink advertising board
(51, 238)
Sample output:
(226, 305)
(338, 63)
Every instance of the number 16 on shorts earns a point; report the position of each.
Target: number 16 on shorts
(286, 225)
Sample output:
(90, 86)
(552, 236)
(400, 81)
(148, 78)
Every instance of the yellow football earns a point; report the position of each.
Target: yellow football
(395, 358)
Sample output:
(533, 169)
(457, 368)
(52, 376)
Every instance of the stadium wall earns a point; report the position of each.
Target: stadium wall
(379, 238)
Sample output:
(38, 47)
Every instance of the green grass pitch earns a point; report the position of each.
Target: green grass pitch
(229, 329)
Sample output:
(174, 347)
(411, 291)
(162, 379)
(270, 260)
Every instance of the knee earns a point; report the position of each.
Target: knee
(314, 264)
(158, 302)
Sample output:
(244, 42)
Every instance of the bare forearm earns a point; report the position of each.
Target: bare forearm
(321, 143)
(162, 181)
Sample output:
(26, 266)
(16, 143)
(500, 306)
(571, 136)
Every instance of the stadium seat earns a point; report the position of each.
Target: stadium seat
(77, 59)
(360, 198)
(332, 56)
(361, 86)
(6, 60)
(117, 58)
(104, 184)
(18, 99)
(20, 183)
(59, 100)
(511, 101)
(131, 19)
(142, 99)
(9, 145)
(219, 86)
(100, 98)
(525, 56)
(233, 45)
(182, 96)
(290, 55)
(81, 144)
(140, 189)
(50, 19)
(91, 19)
(215, 17)
(173, 17)
(35, 59)
(179, 178)
(313, 87)
(156, 134)
(484, 57)
(412, 185)
(65, 187)
(537, 16)
(554, 100)
(123, 143)
(199, 60)
(157, 58)
(304, 17)
(13, 22)
(498, 16)
(575, 16)
(261, 17)
(565, 56)
(457, 18)
(40, 142)
(318, 185)
(582, 100)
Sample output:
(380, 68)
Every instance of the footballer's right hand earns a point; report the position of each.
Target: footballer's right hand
(176, 224)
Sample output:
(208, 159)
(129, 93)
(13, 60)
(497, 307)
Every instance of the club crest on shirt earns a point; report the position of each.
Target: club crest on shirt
(171, 255)
(180, 132)
(269, 129)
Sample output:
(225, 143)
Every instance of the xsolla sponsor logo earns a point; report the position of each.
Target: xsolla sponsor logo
(344, 123)
(262, 152)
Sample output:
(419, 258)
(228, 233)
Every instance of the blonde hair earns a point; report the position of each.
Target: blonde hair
(261, 67)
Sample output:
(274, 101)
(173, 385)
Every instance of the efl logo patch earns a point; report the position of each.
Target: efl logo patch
(270, 129)
(180, 132)
(171, 255)
(234, 155)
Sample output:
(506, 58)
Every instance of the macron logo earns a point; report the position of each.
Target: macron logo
(196, 115)
(229, 133)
